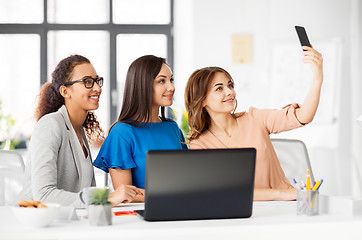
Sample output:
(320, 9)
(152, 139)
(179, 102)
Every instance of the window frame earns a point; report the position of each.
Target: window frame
(113, 29)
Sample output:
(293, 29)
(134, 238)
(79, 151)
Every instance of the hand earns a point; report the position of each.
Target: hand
(140, 197)
(316, 60)
(125, 194)
(288, 194)
(275, 194)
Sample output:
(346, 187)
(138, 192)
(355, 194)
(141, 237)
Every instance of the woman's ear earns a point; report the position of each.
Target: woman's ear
(64, 92)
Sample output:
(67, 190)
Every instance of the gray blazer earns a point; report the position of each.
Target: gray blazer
(53, 171)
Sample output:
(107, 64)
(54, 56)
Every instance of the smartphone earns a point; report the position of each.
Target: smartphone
(302, 34)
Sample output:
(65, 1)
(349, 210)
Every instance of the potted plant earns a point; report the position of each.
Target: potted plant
(100, 209)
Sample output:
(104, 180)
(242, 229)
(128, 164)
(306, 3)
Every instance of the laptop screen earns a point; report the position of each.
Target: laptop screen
(199, 184)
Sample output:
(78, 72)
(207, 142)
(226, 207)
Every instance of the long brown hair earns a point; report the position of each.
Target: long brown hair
(50, 99)
(138, 91)
(196, 91)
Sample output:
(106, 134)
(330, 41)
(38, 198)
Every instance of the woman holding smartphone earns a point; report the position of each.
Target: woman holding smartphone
(210, 101)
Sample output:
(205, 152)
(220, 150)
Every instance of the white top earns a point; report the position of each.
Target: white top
(87, 171)
(86, 167)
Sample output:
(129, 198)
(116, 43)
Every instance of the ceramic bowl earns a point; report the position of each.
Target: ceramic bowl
(37, 217)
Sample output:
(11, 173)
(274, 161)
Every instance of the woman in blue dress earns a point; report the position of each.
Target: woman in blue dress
(148, 90)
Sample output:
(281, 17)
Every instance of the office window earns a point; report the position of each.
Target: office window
(78, 11)
(131, 47)
(21, 11)
(35, 35)
(141, 11)
(19, 81)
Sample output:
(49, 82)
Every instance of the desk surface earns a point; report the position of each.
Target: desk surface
(270, 220)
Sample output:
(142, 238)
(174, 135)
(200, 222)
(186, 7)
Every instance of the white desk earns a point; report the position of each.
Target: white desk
(270, 220)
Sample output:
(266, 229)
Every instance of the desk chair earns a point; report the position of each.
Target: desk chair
(11, 176)
(294, 159)
(108, 182)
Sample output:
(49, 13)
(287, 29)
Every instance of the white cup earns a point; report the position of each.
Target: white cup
(86, 195)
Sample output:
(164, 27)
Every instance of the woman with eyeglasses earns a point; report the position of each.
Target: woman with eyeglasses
(148, 90)
(59, 159)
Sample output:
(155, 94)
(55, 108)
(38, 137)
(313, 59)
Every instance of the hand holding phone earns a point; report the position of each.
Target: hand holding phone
(303, 38)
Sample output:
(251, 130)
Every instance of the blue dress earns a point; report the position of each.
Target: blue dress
(126, 146)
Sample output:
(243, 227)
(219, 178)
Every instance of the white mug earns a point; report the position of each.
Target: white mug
(86, 195)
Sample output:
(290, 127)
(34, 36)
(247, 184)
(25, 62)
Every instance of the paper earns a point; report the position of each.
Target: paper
(242, 48)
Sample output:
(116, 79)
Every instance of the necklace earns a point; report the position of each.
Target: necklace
(222, 142)
(225, 133)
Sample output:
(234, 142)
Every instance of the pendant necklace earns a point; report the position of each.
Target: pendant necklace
(226, 133)
(223, 143)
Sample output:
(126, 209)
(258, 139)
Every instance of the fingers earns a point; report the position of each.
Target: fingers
(142, 191)
(312, 60)
(313, 53)
(128, 193)
(312, 56)
(307, 48)
(137, 190)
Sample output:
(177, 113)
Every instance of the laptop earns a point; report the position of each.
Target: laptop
(199, 184)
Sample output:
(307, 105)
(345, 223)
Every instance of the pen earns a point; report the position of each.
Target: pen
(318, 185)
(308, 181)
(296, 183)
(303, 185)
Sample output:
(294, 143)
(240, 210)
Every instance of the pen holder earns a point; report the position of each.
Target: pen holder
(307, 202)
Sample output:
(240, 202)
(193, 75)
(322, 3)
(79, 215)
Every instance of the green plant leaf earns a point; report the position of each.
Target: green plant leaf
(185, 126)
(100, 196)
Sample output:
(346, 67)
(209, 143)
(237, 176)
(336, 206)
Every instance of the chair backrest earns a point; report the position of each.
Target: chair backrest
(294, 159)
(11, 176)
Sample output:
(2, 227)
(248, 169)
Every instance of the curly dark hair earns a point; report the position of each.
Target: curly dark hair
(50, 99)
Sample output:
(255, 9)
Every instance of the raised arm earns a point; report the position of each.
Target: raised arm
(307, 110)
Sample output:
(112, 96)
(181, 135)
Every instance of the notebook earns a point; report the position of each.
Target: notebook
(199, 184)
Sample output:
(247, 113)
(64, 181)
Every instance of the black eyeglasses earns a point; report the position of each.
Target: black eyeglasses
(88, 81)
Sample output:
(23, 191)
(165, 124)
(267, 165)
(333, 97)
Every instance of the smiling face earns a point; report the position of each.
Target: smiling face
(163, 88)
(221, 95)
(80, 96)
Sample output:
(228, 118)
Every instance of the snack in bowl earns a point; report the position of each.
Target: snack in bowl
(35, 213)
(31, 204)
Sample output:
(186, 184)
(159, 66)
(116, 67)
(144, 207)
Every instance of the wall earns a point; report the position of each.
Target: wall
(203, 32)
(356, 73)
